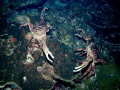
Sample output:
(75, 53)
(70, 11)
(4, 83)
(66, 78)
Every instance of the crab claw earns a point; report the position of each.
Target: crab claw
(48, 54)
(79, 68)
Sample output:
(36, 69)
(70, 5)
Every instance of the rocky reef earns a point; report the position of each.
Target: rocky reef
(100, 19)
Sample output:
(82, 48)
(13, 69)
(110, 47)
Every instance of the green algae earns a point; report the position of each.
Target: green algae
(109, 77)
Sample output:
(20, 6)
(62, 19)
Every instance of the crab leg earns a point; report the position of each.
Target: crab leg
(29, 40)
(27, 24)
(92, 69)
(78, 50)
(101, 61)
(83, 32)
(85, 73)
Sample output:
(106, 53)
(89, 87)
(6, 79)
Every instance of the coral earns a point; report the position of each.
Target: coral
(47, 71)
(18, 51)
(36, 57)
(10, 86)
(14, 57)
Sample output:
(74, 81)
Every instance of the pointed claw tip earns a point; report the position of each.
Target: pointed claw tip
(75, 71)
(50, 60)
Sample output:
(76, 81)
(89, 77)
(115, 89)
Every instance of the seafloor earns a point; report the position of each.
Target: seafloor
(100, 19)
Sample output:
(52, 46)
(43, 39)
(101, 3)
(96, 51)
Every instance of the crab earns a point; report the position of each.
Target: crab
(38, 34)
(92, 56)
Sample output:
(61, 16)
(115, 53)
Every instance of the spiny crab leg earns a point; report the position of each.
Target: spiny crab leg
(78, 50)
(30, 40)
(81, 33)
(27, 24)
